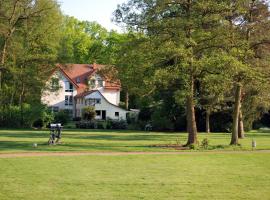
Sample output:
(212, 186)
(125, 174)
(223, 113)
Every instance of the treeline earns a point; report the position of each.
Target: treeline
(207, 58)
(187, 65)
(34, 36)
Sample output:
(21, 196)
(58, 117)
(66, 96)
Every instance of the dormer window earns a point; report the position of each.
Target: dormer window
(55, 84)
(92, 83)
(100, 83)
(78, 80)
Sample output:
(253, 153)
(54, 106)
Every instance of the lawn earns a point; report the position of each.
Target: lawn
(155, 177)
(117, 141)
(231, 175)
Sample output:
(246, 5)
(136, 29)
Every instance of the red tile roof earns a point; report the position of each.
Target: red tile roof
(83, 94)
(83, 71)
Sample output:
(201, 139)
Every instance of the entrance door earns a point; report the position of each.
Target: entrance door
(104, 114)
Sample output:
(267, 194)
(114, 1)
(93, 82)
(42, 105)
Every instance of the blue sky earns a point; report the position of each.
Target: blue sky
(92, 10)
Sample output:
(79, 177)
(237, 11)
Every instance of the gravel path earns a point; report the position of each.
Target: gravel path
(44, 154)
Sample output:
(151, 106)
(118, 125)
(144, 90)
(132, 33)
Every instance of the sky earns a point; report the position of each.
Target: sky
(92, 10)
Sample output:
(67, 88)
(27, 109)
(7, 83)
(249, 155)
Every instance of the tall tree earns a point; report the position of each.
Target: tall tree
(248, 29)
(183, 32)
(28, 42)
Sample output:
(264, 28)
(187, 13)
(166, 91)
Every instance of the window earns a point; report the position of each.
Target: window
(100, 83)
(78, 80)
(68, 100)
(92, 102)
(98, 101)
(68, 87)
(55, 84)
(54, 109)
(116, 114)
(92, 83)
(98, 112)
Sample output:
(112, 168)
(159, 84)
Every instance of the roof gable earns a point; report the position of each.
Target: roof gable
(82, 72)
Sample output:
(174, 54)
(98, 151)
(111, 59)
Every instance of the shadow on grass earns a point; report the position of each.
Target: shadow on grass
(8, 146)
(112, 136)
(123, 137)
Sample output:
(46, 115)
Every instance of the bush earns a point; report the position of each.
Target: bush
(193, 146)
(161, 122)
(89, 113)
(23, 116)
(101, 125)
(86, 125)
(205, 143)
(77, 119)
(46, 117)
(63, 117)
(115, 124)
(109, 124)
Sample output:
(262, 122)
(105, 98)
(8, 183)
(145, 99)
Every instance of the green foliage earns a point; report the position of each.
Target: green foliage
(87, 124)
(205, 143)
(88, 113)
(29, 39)
(62, 117)
(116, 124)
(46, 117)
(161, 122)
(23, 116)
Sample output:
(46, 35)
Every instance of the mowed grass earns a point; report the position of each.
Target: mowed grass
(117, 141)
(230, 175)
(152, 177)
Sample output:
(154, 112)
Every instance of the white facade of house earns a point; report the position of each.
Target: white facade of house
(104, 108)
(57, 99)
(105, 101)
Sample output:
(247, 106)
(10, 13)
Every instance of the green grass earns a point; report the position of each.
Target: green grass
(152, 177)
(232, 176)
(116, 141)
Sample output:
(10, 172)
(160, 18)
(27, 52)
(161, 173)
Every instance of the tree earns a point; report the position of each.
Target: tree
(132, 61)
(183, 32)
(89, 113)
(248, 30)
(28, 47)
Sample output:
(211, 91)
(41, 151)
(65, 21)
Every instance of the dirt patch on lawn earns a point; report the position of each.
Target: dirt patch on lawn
(170, 146)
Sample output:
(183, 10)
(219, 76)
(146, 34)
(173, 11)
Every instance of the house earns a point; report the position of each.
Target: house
(71, 87)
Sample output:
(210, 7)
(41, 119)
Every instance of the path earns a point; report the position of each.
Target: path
(43, 154)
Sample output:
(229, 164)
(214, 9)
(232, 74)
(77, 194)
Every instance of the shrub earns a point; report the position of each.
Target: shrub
(86, 125)
(161, 122)
(23, 116)
(89, 113)
(101, 125)
(193, 146)
(77, 119)
(115, 124)
(62, 117)
(205, 143)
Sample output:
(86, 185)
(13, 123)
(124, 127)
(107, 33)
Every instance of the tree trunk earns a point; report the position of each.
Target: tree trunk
(241, 132)
(2, 63)
(237, 103)
(207, 121)
(21, 105)
(191, 120)
(127, 100)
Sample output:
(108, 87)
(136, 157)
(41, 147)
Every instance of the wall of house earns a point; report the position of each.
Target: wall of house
(104, 105)
(113, 96)
(57, 98)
